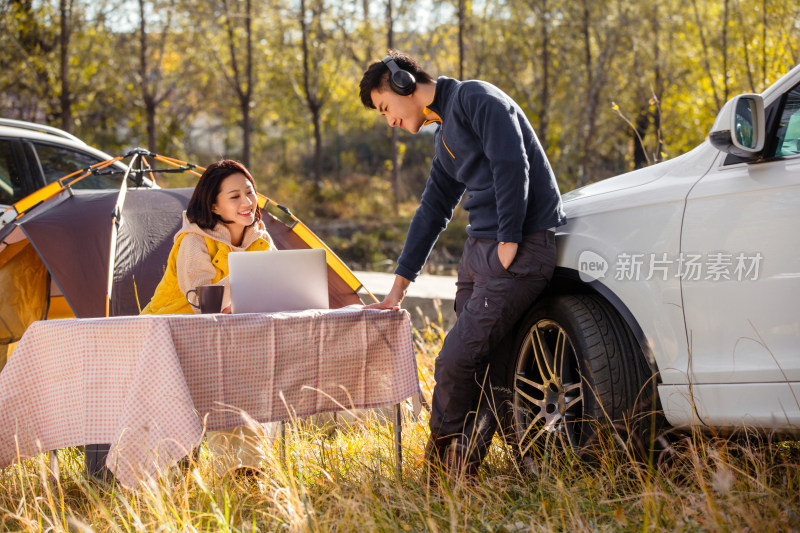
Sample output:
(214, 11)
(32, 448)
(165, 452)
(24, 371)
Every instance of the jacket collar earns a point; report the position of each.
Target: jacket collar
(444, 88)
(220, 233)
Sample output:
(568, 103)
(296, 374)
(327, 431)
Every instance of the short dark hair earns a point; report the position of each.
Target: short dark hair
(207, 189)
(377, 76)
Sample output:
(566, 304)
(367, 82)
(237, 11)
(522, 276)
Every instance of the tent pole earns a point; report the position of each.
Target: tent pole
(116, 222)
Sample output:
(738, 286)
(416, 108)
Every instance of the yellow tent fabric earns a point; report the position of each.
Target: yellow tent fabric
(25, 284)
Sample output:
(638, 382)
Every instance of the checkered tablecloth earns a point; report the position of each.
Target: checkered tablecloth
(149, 384)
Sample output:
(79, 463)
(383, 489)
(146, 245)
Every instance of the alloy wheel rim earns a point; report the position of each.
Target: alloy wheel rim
(548, 393)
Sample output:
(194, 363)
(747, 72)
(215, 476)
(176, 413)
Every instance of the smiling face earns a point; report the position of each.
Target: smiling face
(236, 202)
(401, 111)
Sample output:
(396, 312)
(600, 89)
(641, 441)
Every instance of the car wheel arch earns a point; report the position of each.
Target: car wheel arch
(568, 281)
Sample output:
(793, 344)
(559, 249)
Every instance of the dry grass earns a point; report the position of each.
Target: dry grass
(346, 482)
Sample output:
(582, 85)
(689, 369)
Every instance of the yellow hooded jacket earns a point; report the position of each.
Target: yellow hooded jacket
(197, 270)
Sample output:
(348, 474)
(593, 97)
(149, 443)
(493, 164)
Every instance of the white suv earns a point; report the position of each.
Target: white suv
(33, 155)
(681, 279)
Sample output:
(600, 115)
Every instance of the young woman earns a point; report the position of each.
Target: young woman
(222, 217)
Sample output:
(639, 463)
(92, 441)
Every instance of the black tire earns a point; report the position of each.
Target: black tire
(579, 376)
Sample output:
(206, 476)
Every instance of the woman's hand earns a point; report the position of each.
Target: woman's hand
(227, 310)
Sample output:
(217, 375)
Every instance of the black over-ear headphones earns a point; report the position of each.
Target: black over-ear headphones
(401, 81)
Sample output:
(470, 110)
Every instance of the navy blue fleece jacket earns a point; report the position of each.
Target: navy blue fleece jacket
(486, 148)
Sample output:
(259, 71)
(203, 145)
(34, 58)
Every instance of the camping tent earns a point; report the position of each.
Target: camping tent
(62, 246)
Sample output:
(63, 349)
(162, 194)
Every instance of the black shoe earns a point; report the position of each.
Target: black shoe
(459, 467)
(435, 450)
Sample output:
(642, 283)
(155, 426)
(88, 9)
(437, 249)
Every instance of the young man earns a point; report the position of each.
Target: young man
(487, 150)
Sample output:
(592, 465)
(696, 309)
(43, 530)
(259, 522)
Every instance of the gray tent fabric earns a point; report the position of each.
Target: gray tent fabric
(72, 236)
(150, 222)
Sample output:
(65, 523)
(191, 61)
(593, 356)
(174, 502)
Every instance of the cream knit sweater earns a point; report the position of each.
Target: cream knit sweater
(193, 264)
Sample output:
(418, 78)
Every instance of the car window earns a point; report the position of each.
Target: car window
(11, 188)
(787, 134)
(59, 161)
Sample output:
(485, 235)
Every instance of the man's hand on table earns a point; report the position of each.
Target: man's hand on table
(395, 296)
(227, 310)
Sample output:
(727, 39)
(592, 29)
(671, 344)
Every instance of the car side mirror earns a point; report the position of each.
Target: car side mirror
(739, 128)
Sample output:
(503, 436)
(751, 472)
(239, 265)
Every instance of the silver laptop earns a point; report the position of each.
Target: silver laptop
(282, 280)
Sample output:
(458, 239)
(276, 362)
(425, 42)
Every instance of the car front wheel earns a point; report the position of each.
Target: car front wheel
(579, 371)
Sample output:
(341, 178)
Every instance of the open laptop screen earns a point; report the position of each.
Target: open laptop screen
(282, 280)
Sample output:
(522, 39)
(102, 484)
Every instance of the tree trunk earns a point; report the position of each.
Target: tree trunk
(706, 61)
(725, 48)
(65, 9)
(242, 88)
(658, 89)
(764, 43)
(245, 106)
(368, 51)
(313, 103)
(395, 148)
(248, 94)
(641, 120)
(585, 168)
(461, 22)
(147, 94)
(545, 93)
(317, 148)
(640, 158)
(745, 47)
(150, 110)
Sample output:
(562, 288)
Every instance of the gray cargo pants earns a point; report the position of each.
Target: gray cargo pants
(472, 368)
